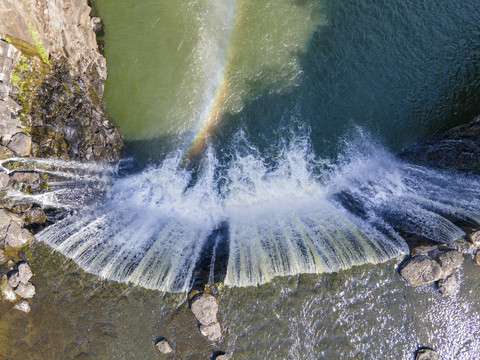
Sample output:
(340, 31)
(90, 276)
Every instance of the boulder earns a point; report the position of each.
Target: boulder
(20, 144)
(474, 238)
(205, 309)
(17, 236)
(23, 305)
(448, 285)
(25, 291)
(24, 272)
(449, 259)
(35, 216)
(421, 270)
(211, 331)
(163, 346)
(426, 354)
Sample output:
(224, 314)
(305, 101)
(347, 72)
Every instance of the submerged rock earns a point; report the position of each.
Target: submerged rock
(25, 291)
(7, 291)
(23, 305)
(163, 346)
(448, 285)
(426, 354)
(212, 331)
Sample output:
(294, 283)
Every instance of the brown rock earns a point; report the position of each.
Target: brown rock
(474, 237)
(35, 216)
(420, 270)
(449, 259)
(27, 177)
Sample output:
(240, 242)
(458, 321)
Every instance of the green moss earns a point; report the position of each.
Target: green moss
(38, 43)
(7, 39)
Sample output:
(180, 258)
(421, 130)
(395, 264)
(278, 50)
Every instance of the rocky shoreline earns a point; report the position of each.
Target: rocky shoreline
(51, 86)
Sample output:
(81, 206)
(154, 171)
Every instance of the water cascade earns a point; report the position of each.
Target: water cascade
(233, 203)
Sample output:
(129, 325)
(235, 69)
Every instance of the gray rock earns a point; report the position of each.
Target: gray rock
(25, 291)
(163, 346)
(5, 152)
(4, 181)
(7, 291)
(35, 216)
(426, 354)
(211, 331)
(474, 237)
(219, 355)
(20, 144)
(449, 259)
(420, 270)
(17, 236)
(13, 279)
(205, 309)
(2, 256)
(24, 272)
(23, 305)
(222, 357)
(448, 285)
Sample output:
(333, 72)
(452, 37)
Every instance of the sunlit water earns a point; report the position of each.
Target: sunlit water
(261, 139)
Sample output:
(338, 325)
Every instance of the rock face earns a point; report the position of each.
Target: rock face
(205, 308)
(426, 354)
(67, 124)
(432, 266)
(458, 148)
(63, 28)
(163, 346)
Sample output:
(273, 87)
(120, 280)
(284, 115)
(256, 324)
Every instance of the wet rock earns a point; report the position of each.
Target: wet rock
(431, 265)
(8, 293)
(211, 331)
(13, 279)
(35, 216)
(20, 144)
(448, 285)
(163, 346)
(449, 259)
(97, 24)
(24, 272)
(4, 181)
(219, 355)
(205, 309)
(2, 256)
(420, 270)
(474, 238)
(426, 354)
(23, 305)
(25, 291)
(477, 258)
(27, 177)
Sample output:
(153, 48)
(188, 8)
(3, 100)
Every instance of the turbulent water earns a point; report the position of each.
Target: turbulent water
(262, 174)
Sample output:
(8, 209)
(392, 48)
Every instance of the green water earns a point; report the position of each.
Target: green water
(400, 70)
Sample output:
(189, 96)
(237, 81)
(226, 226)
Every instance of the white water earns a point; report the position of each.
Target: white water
(300, 215)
